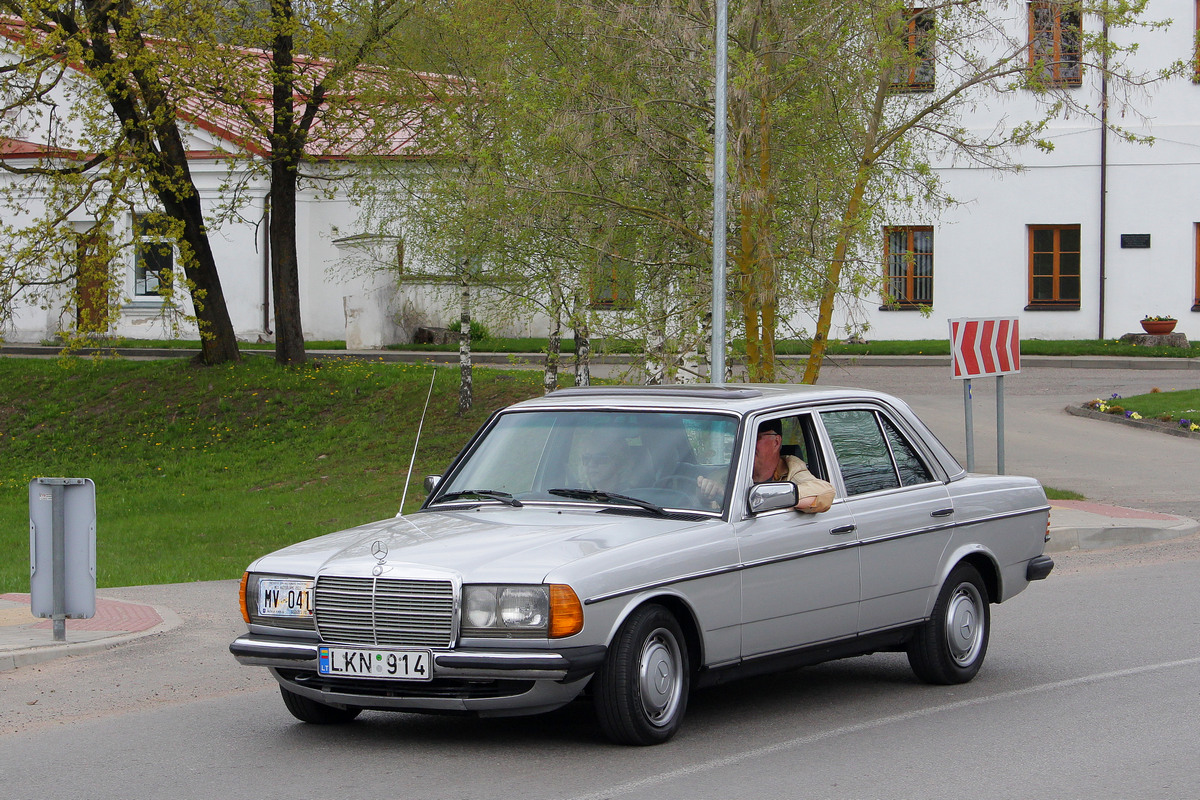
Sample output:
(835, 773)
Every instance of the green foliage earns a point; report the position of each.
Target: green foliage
(479, 331)
(200, 470)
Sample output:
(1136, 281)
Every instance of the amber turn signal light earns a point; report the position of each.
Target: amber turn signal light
(242, 597)
(566, 612)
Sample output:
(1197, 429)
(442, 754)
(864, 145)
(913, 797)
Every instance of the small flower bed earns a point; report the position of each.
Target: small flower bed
(1110, 405)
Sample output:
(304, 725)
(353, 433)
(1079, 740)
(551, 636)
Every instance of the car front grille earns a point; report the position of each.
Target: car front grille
(384, 611)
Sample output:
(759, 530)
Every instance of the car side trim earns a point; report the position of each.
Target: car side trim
(816, 551)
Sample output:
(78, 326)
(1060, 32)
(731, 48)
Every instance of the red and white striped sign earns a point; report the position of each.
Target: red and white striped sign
(985, 347)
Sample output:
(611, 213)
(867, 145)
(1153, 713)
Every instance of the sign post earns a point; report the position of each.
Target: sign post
(982, 348)
(62, 550)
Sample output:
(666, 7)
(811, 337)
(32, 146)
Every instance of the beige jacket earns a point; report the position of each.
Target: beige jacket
(792, 468)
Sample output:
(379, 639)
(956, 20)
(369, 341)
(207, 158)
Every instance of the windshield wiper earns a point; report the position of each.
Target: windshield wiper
(597, 496)
(490, 494)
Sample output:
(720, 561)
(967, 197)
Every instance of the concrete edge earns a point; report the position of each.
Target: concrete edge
(448, 356)
(40, 654)
(1143, 424)
(1100, 537)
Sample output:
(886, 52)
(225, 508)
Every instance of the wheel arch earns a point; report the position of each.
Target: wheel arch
(985, 564)
(684, 615)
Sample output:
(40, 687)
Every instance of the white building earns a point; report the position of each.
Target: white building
(1082, 243)
(1089, 238)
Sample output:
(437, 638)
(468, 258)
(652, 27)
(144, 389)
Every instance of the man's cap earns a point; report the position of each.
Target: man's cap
(771, 426)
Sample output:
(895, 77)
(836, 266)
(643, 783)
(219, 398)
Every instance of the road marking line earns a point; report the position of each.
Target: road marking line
(799, 741)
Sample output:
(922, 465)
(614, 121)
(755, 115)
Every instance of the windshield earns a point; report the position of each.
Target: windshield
(670, 460)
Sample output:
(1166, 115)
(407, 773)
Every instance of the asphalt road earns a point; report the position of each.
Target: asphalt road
(1089, 691)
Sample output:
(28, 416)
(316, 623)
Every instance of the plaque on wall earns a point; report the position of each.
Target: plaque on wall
(1135, 240)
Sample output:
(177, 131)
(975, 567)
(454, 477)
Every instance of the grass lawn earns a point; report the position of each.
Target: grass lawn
(200, 470)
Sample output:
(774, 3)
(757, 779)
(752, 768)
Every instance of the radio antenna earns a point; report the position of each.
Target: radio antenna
(411, 461)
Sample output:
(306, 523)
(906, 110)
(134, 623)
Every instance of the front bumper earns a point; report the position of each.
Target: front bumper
(486, 682)
(564, 664)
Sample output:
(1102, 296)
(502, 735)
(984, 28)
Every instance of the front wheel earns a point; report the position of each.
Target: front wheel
(641, 691)
(950, 646)
(316, 713)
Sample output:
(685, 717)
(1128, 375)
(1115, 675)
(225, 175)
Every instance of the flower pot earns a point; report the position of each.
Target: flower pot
(1159, 327)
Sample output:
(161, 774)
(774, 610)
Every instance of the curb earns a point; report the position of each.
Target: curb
(1101, 537)
(40, 654)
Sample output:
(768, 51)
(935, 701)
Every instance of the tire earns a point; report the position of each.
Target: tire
(950, 646)
(641, 690)
(316, 713)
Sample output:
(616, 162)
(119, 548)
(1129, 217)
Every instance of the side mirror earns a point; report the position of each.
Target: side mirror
(431, 483)
(772, 496)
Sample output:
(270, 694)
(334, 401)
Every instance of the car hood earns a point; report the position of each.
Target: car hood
(488, 543)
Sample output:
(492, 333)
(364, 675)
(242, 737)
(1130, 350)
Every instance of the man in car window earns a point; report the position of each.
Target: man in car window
(815, 495)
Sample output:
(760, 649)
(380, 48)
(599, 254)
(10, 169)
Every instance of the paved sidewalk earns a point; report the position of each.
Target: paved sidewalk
(25, 639)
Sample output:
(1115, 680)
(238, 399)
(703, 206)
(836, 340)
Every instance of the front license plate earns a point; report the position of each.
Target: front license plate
(284, 597)
(403, 665)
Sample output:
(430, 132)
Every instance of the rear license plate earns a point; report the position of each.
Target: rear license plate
(284, 598)
(403, 665)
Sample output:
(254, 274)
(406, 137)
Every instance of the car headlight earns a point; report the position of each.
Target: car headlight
(281, 601)
(552, 611)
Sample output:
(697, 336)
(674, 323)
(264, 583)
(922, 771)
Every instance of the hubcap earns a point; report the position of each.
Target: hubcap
(965, 624)
(659, 677)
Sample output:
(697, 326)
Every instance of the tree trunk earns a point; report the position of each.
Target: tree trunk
(286, 151)
(554, 345)
(218, 342)
(465, 389)
(553, 356)
(583, 346)
(285, 271)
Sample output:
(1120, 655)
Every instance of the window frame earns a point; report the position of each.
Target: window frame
(158, 242)
(1057, 61)
(612, 284)
(884, 421)
(1057, 302)
(1196, 261)
(910, 276)
(919, 36)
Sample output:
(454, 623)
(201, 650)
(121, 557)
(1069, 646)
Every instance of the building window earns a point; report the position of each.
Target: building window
(612, 283)
(916, 74)
(153, 260)
(1054, 261)
(1055, 42)
(908, 260)
(1196, 304)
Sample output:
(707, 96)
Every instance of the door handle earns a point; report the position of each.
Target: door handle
(942, 512)
(843, 529)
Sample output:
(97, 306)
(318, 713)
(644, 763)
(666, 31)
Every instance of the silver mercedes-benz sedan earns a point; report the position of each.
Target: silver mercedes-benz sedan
(630, 544)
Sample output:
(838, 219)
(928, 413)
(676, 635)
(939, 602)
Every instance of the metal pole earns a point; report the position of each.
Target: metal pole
(58, 608)
(717, 375)
(999, 424)
(970, 425)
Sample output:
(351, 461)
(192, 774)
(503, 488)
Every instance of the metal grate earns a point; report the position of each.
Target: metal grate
(384, 611)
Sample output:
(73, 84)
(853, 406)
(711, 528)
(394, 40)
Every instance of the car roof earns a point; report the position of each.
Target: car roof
(738, 398)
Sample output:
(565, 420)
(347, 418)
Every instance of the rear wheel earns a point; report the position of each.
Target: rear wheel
(949, 648)
(641, 691)
(316, 713)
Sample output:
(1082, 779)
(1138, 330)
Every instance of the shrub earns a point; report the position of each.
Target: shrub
(479, 331)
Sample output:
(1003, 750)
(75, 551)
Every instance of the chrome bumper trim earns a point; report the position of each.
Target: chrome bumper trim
(569, 663)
